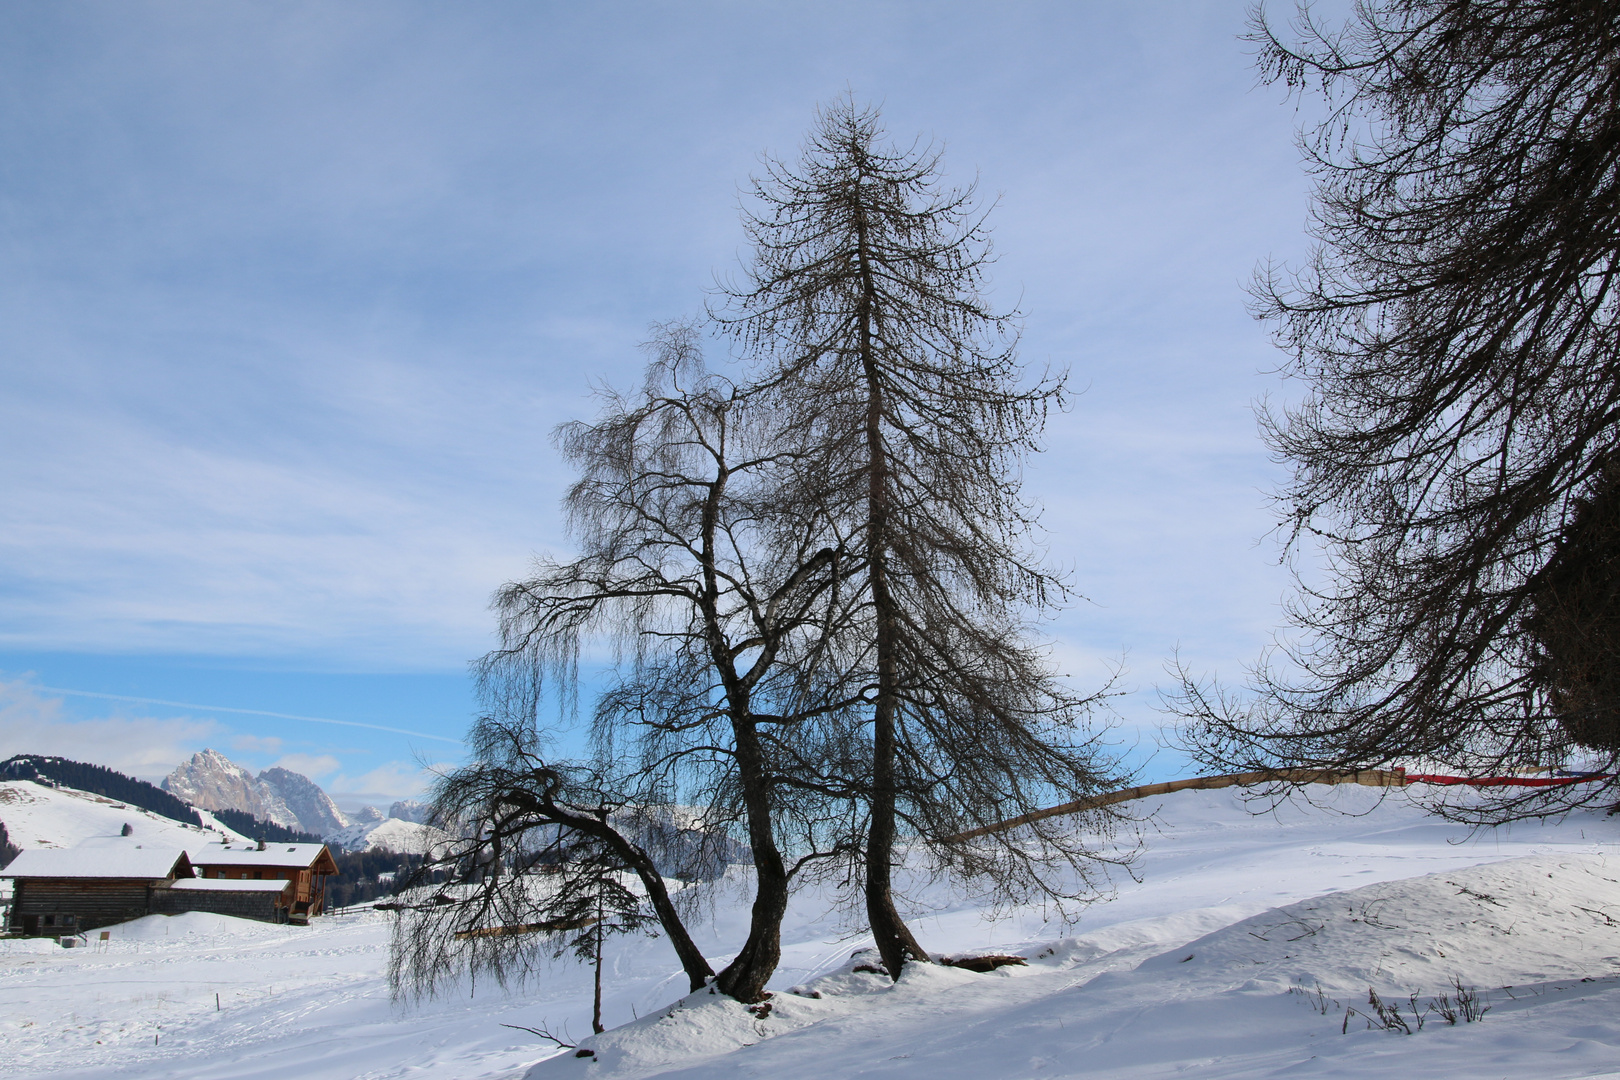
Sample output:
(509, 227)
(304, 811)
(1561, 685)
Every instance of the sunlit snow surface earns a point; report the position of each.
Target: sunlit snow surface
(1187, 970)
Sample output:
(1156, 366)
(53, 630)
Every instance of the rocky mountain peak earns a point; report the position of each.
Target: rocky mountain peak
(409, 810)
(214, 782)
(314, 809)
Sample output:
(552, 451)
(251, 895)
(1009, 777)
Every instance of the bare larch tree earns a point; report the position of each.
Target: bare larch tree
(862, 312)
(1453, 459)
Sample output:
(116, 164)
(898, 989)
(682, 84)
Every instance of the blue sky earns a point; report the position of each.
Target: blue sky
(291, 296)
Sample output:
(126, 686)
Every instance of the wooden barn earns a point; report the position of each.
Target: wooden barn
(63, 891)
(305, 867)
(59, 892)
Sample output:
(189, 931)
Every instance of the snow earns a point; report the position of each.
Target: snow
(102, 857)
(1189, 969)
(250, 854)
(41, 817)
(230, 885)
(390, 834)
(204, 927)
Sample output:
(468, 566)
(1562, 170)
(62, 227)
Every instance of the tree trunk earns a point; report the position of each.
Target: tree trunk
(596, 1000)
(895, 942)
(698, 971)
(745, 977)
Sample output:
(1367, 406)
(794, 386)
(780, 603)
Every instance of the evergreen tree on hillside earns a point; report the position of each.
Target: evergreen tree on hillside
(864, 314)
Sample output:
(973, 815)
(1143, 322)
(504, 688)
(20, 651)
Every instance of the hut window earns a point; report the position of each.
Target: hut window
(257, 874)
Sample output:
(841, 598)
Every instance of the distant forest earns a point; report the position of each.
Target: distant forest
(98, 781)
(240, 821)
(364, 876)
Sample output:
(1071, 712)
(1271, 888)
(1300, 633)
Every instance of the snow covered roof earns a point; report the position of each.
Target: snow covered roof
(248, 854)
(102, 857)
(230, 885)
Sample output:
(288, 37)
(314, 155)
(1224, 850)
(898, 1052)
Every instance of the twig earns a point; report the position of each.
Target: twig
(544, 1034)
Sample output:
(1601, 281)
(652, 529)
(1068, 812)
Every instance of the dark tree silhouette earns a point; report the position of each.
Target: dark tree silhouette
(1456, 330)
(863, 314)
(1575, 621)
(542, 852)
(698, 564)
(8, 850)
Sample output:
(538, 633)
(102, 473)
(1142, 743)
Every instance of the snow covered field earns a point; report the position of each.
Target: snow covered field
(1191, 968)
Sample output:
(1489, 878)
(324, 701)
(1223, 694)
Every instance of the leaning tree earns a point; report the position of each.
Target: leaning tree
(704, 567)
(1457, 332)
(864, 317)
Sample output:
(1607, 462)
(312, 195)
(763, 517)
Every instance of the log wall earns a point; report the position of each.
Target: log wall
(90, 903)
(248, 905)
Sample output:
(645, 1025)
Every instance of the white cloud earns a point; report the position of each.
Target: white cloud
(311, 765)
(31, 723)
(257, 744)
(382, 785)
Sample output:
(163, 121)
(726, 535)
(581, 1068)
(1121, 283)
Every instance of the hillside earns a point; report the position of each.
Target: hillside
(40, 816)
(1188, 969)
(98, 780)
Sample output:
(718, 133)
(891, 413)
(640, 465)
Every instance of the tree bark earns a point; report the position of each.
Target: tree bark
(745, 977)
(596, 999)
(895, 942)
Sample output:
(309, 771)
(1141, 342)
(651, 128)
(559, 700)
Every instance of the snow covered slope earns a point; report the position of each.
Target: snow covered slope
(1265, 996)
(39, 816)
(389, 834)
(1187, 970)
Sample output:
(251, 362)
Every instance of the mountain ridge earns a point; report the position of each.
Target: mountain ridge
(289, 800)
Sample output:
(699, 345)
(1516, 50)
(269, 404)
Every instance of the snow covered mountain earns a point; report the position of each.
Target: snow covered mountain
(368, 815)
(409, 810)
(314, 809)
(212, 781)
(40, 815)
(388, 834)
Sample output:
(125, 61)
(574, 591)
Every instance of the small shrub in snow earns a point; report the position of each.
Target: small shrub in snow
(1385, 1016)
(1467, 1004)
(1316, 999)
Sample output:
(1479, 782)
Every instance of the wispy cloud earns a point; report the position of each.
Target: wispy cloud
(148, 748)
(313, 766)
(256, 744)
(384, 784)
(247, 712)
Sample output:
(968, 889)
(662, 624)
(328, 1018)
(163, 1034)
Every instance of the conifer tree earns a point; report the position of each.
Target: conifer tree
(864, 314)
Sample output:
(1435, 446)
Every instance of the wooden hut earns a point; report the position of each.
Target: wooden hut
(106, 880)
(59, 892)
(305, 867)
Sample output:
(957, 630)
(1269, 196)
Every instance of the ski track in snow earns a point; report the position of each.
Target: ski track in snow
(1361, 889)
